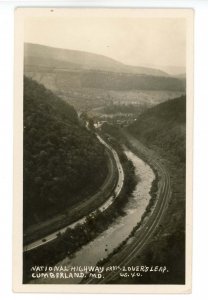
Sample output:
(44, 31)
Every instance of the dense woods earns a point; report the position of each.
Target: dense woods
(62, 159)
(124, 108)
(95, 79)
(162, 128)
(95, 223)
(113, 81)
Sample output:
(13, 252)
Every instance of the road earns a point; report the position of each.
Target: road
(143, 235)
(50, 237)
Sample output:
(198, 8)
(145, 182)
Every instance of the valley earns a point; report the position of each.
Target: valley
(95, 132)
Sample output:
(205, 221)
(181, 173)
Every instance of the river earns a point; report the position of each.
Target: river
(119, 230)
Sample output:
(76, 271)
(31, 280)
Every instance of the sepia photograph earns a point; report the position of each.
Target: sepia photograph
(103, 143)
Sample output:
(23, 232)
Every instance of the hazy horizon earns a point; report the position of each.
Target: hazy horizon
(148, 42)
(162, 68)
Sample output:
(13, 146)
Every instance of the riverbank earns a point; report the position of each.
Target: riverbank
(145, 215)
(76, 212)
(119, 229)
(73, 239)
(166, 245)
(152, 211)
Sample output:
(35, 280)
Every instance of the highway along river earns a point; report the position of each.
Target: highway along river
(121, 228)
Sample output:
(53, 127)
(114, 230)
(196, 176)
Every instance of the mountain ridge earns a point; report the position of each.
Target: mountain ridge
(84, 60)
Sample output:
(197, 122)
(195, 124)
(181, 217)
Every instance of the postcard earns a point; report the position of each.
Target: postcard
(103, 150)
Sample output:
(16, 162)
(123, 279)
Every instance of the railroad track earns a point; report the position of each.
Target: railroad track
(145, 232)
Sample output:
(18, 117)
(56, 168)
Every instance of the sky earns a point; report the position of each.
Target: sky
(135, 41)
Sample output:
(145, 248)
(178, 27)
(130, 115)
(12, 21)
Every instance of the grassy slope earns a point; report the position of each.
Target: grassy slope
(162, 128)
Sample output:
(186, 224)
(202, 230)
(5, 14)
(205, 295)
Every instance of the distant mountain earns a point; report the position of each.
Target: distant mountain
(164, 126)
(181, 75)
(63, 70)
(73, 59)
(174, 70)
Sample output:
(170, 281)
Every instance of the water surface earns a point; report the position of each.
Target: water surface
(119, 230)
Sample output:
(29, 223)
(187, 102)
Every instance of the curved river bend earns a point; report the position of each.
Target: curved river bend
(120, 229)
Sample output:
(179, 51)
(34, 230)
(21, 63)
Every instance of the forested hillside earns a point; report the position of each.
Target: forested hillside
(163, 129)
(163, 126)
(61, 80)
(64, 70)
(40, 55)
(62, 159)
